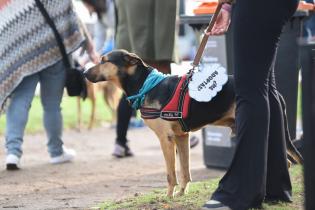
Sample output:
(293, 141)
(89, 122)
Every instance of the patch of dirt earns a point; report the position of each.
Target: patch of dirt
(94, 176)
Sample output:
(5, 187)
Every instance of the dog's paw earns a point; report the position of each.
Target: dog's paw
(170, 195)
(181, 192)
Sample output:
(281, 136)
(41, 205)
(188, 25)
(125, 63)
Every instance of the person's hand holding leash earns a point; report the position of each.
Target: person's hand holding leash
(222, 22)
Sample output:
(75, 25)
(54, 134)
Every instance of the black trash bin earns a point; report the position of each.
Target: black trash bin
(218, 146)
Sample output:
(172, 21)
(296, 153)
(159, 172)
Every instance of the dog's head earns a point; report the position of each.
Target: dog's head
(115, 66)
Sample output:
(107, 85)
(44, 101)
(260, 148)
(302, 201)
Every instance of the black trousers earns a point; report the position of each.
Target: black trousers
(124, 113)
(259, 169)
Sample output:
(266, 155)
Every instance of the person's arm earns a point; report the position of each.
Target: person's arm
(89, 46)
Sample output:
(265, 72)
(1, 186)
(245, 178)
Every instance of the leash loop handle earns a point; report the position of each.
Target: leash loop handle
(205, 37)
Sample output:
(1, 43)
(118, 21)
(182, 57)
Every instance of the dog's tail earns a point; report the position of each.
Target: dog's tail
(292, 152)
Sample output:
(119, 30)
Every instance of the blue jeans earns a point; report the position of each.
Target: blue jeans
(52, 81)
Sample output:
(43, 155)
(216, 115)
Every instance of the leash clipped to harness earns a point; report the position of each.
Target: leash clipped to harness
(189, 79)
(205, 83)
(204, 40)
(206, 36)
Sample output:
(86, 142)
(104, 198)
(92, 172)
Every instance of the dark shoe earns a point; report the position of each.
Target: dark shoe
(194, 140)
(128, 152)
(12, 167)
(215, 205)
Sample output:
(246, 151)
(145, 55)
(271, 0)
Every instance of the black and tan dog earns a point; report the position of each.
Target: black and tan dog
(129, 72)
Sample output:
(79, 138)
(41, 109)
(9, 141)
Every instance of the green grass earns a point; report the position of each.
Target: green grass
(69, 112)
(199, 193)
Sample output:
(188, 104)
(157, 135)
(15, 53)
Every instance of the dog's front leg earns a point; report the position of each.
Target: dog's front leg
(168, 148)
(164, 132)
(92, 96)
(183, 149)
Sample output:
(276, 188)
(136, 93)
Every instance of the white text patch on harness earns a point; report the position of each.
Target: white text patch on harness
(207, 82)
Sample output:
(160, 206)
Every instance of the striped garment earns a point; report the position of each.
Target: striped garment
(27, 43)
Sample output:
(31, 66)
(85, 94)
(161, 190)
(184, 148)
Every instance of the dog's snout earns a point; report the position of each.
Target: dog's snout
(87, 73)
(93, 75)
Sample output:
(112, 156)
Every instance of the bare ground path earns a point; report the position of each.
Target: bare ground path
(93, 177)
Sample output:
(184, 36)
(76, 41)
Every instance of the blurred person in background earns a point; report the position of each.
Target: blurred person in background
(147, 28)
(30, 55)
(104, 27)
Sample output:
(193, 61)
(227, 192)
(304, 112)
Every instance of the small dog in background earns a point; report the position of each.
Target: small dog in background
(111, 95)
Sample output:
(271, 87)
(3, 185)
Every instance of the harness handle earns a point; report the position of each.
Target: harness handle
(205, 36)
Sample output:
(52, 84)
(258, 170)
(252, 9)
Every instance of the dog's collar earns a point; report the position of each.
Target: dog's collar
(153, 79)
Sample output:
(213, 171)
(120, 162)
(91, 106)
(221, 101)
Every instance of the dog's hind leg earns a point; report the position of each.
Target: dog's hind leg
(182, 143)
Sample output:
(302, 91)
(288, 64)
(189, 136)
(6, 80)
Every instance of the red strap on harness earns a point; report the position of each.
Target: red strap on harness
(173, 104)
(175, 109)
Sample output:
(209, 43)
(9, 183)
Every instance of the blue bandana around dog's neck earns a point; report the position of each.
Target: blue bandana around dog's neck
(153, 79)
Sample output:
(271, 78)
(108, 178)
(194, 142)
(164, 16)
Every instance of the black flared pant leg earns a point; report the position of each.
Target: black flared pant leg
(259, 166)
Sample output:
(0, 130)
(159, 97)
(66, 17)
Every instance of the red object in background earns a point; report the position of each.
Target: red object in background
(3, 3)
(206, 7)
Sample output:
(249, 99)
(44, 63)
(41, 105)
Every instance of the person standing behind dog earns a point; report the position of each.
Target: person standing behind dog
(30, 54)
(259, 170)
(147, 28)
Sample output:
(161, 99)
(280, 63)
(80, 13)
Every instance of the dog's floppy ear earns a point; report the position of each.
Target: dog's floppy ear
(133, 59)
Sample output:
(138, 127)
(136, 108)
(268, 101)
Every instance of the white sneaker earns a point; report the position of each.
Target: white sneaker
(12, 162)
(67, 156)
